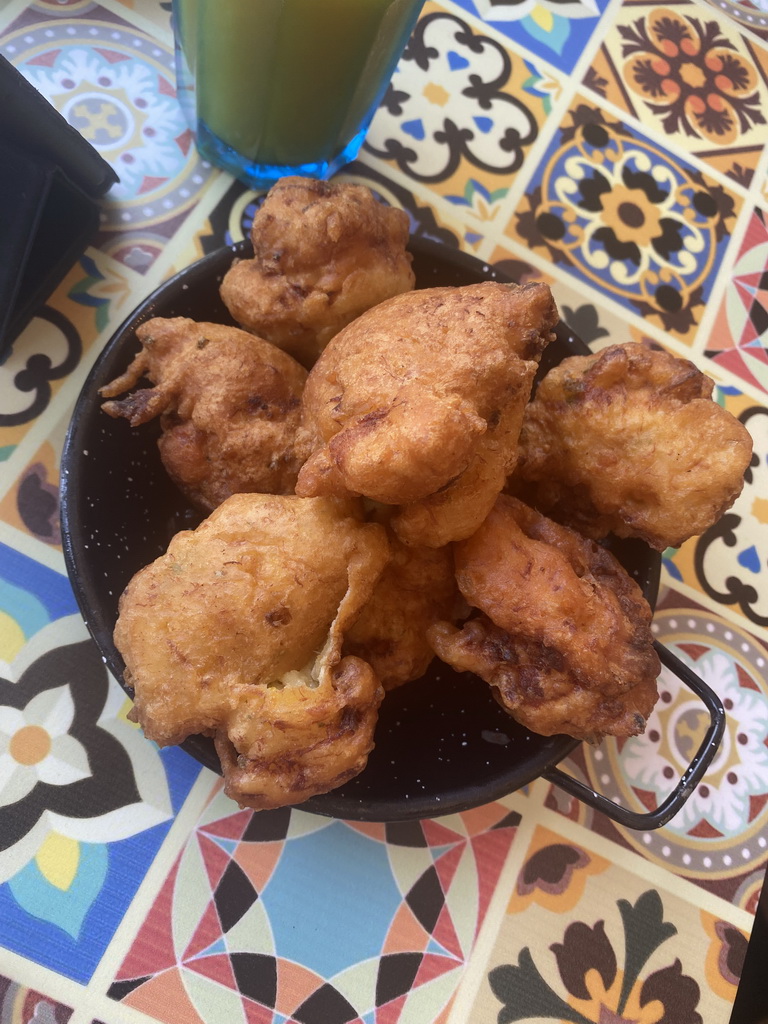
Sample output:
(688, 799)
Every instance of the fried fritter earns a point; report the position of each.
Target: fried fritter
(456, 510)
(229, 407)
(417, 589)
(237, 632)
(564, 635)
(630, 442)
(323, 253)
(405, 398)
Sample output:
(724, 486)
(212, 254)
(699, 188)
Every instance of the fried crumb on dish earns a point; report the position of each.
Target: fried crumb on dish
(229, 407)
(323, 253)
(630, 442)
(415, 590)
(420, 390)
(563, 636)
(236, 632)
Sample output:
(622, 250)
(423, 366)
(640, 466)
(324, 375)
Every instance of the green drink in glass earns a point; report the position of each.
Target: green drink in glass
(278, 87)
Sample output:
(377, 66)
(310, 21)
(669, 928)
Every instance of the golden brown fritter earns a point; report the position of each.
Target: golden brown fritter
(456, 510)
(323, 253)
(630, 442)
(417, 589)
(229, 407)
(237, 632)
(564, 636)
(404, 398)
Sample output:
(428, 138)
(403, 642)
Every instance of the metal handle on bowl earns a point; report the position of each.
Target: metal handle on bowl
(690, 777)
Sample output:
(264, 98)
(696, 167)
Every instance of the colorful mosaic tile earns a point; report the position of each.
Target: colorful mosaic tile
(722, 828)
(739, 336)
(621, 214)
(91, 300)
(32, 502)
(719, 838)
(594, 323)
(20, 1005)
(428, 217)
(41, 357)
(461, 111)
(556, 31)
(31, 597)
(689, 75)
(748, 892)
(729, 562)
(115, 85)
(647, 955)
(284, 915)
(95, 292)
(75, 836)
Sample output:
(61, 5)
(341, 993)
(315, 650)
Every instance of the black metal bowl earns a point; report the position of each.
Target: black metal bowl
(443, 744)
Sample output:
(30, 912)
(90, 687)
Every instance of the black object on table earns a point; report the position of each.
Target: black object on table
(50, 181)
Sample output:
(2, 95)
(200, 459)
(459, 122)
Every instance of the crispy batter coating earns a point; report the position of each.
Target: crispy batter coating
(629, 442)
(323, 253)
(458, 509)
(417, 589)
(237, 632)
(405, 398)
(229, 407)
(564, 636)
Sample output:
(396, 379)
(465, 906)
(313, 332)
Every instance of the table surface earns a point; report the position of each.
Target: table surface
(145, 895)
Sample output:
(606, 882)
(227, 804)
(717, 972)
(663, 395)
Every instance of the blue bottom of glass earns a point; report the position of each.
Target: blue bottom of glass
(260, 176)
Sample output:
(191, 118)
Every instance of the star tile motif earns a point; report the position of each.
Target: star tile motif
(393, 910)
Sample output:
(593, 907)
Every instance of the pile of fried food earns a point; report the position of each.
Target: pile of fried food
(381, 487)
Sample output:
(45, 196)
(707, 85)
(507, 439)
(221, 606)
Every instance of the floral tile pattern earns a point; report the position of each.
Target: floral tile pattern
(738, 340)
(556, 31)
(71, 862)
(722, 827)
(395, 913)
(625, 218)
(646, 956)
(595, 324)
(720, 836)
(690, 75)
(479, 105)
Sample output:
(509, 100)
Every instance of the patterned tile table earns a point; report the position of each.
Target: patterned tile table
(617, 149)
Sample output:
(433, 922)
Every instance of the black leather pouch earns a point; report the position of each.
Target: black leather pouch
(50, 181)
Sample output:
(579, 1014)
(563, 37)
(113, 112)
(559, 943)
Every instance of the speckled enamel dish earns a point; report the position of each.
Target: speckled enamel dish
(443, 744)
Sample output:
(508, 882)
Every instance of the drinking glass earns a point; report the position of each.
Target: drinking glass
(278, 87)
